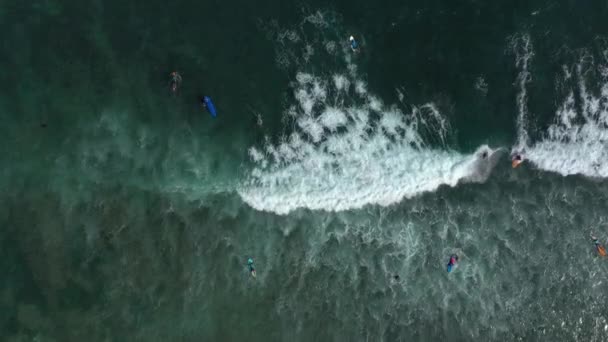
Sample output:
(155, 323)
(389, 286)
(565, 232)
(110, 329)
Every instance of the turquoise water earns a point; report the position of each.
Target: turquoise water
(350, 178)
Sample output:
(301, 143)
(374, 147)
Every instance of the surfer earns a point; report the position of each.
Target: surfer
(175, 82)
(452, 262)
(353, 44)
(516, 160)
(251, 267)
(598, 246)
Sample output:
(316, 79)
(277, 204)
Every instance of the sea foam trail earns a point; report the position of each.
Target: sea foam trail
(523, 49)
(348, 150)
(577, 142)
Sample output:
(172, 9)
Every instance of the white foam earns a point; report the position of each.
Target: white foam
(375, 104)
(304, 78)
(255, 155)
(288, 35)
(376, 157)
(317, 19)
(311, 127)
(392, 122)
(400, 95)
(577, 142)
(361, 88)
(341, 83)
(522, 47)
(332, 118)
(331, 47)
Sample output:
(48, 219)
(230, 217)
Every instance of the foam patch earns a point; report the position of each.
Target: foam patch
(348, 150)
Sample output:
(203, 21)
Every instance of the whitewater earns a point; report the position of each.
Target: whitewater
(577, 141)
(348, 149)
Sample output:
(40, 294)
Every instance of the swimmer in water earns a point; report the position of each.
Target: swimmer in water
(353, 44)
(452, 263)
(251, 267)
(175, 82)
(516, 160)
(598, 246)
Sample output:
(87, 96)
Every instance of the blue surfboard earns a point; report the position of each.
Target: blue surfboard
(210, 106)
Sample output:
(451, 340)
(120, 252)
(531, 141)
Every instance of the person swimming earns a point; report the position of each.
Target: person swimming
(516, 160)
(598, 246)
(353, 44)
(175, 82)
(452, 263)
(251, 267)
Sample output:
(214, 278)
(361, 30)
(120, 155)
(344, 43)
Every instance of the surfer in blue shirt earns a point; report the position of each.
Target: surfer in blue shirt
(251, 267)
(353, 44)
(452, 263)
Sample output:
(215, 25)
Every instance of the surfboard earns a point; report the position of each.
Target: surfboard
(210, 106)
(353, 44)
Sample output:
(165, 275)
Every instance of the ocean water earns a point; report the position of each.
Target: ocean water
(129, 212)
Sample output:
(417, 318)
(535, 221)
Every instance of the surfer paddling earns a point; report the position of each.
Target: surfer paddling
(175, 81)
(452, 263)
(251, 267)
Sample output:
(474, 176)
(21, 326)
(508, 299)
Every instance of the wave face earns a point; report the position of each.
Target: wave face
(348, 150)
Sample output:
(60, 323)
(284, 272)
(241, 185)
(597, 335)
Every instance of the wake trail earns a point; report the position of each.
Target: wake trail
(523, 49)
